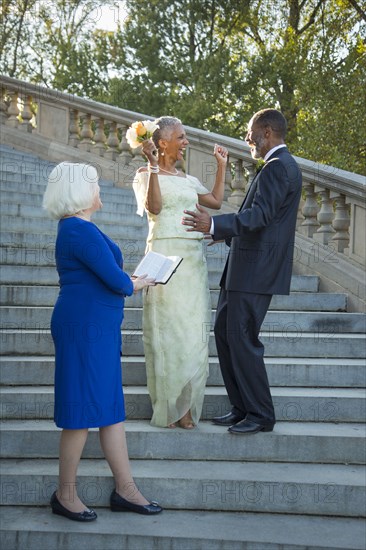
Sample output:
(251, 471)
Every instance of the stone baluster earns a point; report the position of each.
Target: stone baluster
(86, 133)
(325, 217)
(13, 111)
(99, 137)
(252, 172)
(138, 158)
(341, 222)
(238, 184)
(300, 217)
(26, 114)
(112, 142)
(126, 156)
(228, 181)
(357, 230)
(74, 128)
(3, 107)
(310, 211)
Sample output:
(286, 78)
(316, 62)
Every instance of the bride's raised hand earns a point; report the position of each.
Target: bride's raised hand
(221, 154)
(150, 151)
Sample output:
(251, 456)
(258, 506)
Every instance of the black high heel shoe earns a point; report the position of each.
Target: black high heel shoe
(57, 508)
(119, 504)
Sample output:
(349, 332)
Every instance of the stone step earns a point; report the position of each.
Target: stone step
(37, 171)
(37, 529)
(318, 489)
(277, 344)
(26, 266)
(23, 295)
(294, 372)
(18, 168)
(36, 226)
(41, 252)
(24, 248)
(38, 244)
(135, 233)
(9, 154)
(39, 260)
(132, 241)
(305, 442)
(112, 211)
(19, 317)
(38, 272)
(112, 202)
(33, 177)
(13, 180)
(7, 150)
(17, 174)
(291, 404)
(28, 188)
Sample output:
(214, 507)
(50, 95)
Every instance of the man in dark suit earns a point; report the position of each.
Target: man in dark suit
(261, 239)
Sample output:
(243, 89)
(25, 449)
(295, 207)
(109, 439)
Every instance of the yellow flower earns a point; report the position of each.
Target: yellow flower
(139, 131)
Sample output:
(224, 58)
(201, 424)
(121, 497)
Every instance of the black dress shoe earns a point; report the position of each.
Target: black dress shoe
(249, 427)
(119, 504)
(227, 420)
(57, 508)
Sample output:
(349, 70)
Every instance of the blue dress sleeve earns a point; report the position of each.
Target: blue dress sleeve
(94, 252)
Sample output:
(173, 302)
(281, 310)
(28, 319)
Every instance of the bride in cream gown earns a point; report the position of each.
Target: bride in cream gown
(176, 316)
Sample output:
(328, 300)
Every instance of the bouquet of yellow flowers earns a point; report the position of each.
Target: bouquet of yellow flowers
(140, 131)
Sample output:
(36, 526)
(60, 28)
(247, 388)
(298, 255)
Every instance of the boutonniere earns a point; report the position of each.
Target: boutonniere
(259, 166)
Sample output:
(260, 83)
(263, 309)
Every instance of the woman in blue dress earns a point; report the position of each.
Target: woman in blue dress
(86, 330)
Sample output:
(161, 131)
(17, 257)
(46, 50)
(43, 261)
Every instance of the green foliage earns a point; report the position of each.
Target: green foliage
(215, 63)
(212, 63)
(54, 43)
(174, 63)
(332, 127)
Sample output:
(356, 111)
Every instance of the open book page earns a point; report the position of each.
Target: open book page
(157, 266)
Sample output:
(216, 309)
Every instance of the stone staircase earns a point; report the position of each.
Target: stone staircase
(300, 487)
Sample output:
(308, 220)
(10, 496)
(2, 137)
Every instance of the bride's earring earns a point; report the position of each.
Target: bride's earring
(162, 153)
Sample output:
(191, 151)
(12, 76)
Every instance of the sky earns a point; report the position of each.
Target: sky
(108, 16)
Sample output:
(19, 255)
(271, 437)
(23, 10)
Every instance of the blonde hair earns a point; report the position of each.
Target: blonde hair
(71, 188)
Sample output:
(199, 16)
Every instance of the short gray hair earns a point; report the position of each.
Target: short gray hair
(71, 188)
(166, 125)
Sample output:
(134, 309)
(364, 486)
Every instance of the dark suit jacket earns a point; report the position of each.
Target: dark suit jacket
(262, 233)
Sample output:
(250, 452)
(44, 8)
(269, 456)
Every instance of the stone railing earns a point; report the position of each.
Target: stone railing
(332, 213)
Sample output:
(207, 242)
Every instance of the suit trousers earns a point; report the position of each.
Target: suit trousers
(238, 321)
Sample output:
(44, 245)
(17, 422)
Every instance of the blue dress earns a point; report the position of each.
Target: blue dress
(86, 327)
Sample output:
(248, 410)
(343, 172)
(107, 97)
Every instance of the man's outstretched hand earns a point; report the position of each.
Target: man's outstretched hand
(197, 221)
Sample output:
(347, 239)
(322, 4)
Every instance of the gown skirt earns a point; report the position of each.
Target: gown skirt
(176, 330)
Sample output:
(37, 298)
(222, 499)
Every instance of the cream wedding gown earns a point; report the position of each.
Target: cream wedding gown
(176, 316)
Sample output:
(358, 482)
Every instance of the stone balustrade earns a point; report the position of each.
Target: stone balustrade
(332, 212)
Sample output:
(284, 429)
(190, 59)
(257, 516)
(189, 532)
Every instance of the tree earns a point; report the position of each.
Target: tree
(212, 63)
(174, 61)
(332, 126)
(308, 56)
(14, 33)
(215, 63)
(54, 43)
